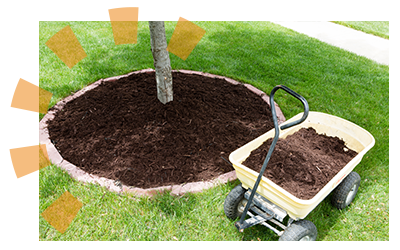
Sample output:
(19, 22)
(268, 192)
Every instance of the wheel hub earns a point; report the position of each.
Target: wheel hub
(351, 194)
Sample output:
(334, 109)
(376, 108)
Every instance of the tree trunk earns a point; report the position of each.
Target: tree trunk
(162, 63)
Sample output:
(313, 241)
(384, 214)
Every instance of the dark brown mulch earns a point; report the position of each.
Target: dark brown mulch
(302, 163)
(120, 130)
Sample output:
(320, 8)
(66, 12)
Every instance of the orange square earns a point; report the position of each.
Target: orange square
(124, 14)
(26, 96)
(61, 212)
(125, 32)
(43, 157)
(24, 160)
(44, 100)
(66, 46)
(185, 37)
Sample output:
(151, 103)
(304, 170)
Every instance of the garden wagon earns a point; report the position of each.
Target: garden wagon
(267, 203)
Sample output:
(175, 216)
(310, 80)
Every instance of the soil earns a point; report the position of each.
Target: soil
(121, 131)
(302, 163)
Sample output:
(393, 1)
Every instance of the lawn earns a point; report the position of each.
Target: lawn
(263, 54)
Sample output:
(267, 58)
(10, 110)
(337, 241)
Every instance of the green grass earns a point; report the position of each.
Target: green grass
(377, 28)
(263, 54)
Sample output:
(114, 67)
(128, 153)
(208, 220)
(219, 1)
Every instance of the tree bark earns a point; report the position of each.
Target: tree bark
(162, 63)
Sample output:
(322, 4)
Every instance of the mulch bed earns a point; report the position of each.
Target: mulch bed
(119, 130)
(302, 163)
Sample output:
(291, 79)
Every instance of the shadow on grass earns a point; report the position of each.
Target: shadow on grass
(324, 216)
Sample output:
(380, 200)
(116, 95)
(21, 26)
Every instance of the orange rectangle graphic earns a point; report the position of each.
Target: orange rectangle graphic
(124, 24)
(27, 160)
(66, 46)
(26, 96)
(185, 38)
(44, 100)
(44, 160)
(124, 14)
(125, 32)
(62, 212)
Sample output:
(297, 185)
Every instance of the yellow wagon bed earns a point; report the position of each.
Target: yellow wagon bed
(355, 137)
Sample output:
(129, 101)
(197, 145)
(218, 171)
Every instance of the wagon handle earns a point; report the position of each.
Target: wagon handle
(240, 224)
(299, 97)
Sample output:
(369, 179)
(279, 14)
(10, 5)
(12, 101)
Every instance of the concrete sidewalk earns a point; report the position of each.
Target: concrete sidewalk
(358, 42)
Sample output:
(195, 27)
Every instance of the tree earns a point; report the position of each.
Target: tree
(162, 62)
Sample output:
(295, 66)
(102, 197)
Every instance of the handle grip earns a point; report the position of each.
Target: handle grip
(299, 97)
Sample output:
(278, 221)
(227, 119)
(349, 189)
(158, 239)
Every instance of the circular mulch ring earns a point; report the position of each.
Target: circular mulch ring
(116, 133)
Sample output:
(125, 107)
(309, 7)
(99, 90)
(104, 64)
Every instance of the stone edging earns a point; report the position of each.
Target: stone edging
(81, 175)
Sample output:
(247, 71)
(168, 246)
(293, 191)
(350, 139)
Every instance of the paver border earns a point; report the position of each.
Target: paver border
(111, 185)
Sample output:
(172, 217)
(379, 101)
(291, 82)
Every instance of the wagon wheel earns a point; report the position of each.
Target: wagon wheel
(302, 230)
(235, 202)
(345, 192)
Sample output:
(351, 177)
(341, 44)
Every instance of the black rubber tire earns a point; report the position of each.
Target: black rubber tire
(345, 192)
(232, 201)
(299, 231)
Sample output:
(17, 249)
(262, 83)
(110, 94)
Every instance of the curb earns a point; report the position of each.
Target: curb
(82, 176)
(370, 46)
